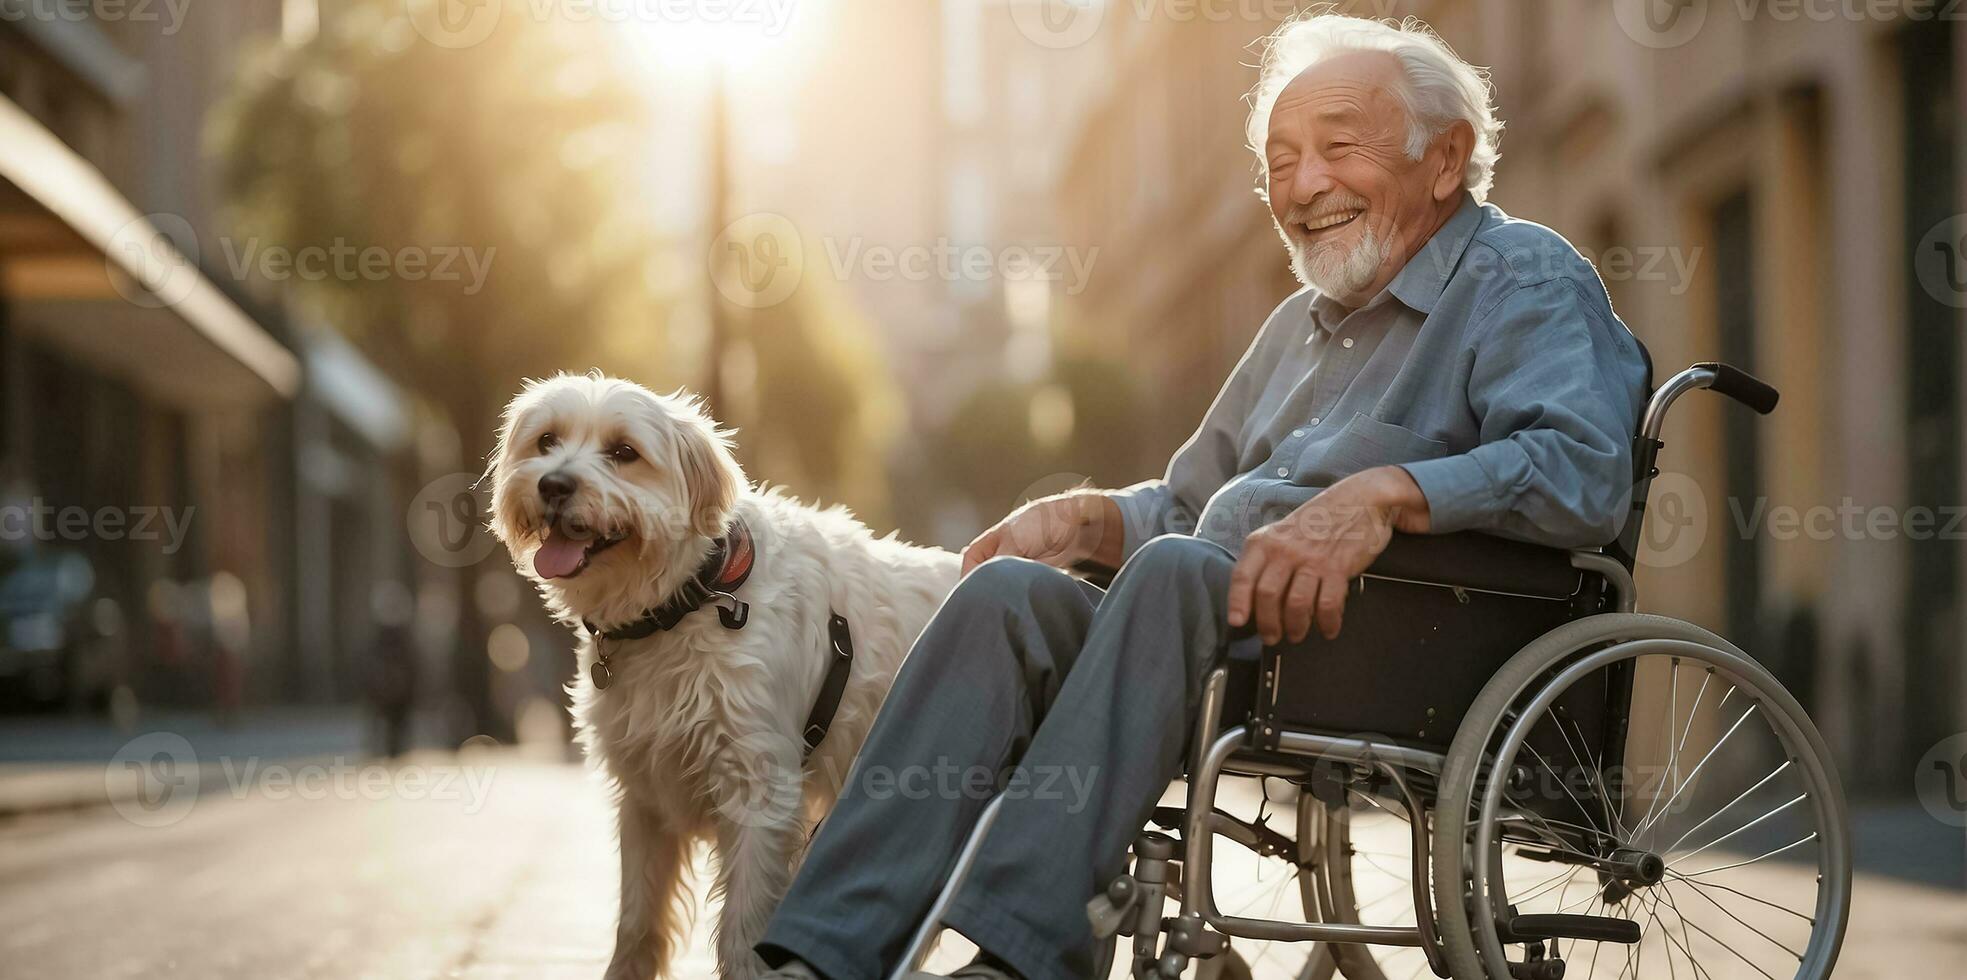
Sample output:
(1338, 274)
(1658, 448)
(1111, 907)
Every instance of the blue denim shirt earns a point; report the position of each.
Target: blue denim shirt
(1491, 368)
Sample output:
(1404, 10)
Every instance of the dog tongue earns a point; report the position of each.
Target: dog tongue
(559, 556)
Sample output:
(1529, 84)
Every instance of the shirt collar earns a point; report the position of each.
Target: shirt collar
(1420, 282)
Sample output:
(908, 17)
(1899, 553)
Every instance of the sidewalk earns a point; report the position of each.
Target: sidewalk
(65, 763)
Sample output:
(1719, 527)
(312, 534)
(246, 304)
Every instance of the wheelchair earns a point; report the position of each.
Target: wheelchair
(1580, 790)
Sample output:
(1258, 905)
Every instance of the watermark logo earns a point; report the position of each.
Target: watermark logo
(1057, 23)
(1660, 24)
(758, 780)
(153, 260)
(40, 520)
(1940, 262)
(1676, 521)
(152, 781)
(1941, 780)
(757, 260)
(168, 13)
(447, 522)
(455, 23)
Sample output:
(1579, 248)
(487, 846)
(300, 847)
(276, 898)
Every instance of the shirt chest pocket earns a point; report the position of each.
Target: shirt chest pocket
(1366, 442)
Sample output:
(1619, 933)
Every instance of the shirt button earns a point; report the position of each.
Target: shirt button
(1283, 471)
(1297, 433)
(1315, 420)
(1347, 343)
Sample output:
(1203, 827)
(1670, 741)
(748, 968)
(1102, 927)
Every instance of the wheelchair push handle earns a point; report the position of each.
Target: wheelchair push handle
(1742, 386)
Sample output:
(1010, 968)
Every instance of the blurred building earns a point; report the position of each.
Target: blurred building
(235, 479)
(1783, 194)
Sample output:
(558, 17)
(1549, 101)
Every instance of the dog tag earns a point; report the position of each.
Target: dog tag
(601, 674)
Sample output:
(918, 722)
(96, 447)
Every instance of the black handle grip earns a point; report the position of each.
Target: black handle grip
(1742, 386)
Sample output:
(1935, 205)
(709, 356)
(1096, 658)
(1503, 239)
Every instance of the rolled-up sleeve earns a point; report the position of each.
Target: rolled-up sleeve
(1556, 389)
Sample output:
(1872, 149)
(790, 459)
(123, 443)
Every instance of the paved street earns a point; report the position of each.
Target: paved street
(502, 868)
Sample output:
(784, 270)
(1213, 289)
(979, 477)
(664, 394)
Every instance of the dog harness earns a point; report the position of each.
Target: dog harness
(723, 571)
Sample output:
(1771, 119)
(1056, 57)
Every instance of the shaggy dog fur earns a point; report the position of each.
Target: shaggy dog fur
(700, 730)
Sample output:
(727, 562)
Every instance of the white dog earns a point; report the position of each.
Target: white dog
(618, 502)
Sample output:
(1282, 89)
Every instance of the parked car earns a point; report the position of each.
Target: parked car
(60, 640)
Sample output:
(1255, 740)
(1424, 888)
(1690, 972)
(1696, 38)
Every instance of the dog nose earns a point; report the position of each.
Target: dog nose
(556, 487)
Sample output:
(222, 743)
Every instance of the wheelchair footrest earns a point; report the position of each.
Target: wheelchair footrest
(1592, 928)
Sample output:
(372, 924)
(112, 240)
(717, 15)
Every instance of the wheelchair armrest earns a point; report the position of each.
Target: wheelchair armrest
(1484, 562)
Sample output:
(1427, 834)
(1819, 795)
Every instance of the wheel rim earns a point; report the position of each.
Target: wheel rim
(1364, 876)
(1713, 825)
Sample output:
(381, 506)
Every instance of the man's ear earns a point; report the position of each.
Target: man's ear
(1455, 145)
(711, 475)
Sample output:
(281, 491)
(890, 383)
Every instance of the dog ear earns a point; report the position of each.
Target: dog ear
(710, 473)
(503, 521)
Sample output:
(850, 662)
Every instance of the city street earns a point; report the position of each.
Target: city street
(497, 868)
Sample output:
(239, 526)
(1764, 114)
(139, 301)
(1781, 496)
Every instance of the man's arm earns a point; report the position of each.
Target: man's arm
(1556, 387)
(1557, 391)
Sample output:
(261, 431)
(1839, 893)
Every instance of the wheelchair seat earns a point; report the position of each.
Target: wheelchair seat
(1425, 628)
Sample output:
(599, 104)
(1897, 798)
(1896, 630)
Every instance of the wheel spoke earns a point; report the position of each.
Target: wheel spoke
(1739, 829)
(1741, 864)
(1695, 773)
(1685, 942)
(1733, 891)
(1724, 911)
(1691, 831)
(1717, 941)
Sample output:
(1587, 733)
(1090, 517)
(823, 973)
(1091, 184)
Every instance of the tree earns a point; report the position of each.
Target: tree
(490, 177)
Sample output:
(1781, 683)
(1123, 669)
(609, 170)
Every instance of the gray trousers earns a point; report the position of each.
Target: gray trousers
(1077, 704)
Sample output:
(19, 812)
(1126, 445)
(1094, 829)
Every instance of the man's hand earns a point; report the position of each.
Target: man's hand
(1061, 531)
(1300, 567)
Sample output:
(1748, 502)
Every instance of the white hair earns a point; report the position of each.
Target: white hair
(1437, 87)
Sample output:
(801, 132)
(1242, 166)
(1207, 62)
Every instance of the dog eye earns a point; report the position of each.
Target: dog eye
(624, 453)
(547, 441)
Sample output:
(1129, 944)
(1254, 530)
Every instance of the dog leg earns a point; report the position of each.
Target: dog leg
(759, 819)
(754, 871)
(653, 916)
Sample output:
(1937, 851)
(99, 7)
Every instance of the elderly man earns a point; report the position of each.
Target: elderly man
(1445, 368)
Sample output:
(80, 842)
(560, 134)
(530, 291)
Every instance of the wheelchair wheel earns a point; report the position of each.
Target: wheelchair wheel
(1702, 827)
(1361, 861)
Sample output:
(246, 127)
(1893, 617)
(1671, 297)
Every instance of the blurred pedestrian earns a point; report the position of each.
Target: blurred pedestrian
(390, 680)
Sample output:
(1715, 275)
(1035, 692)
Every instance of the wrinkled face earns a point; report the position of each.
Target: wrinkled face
(594, 474)
(1351, 204)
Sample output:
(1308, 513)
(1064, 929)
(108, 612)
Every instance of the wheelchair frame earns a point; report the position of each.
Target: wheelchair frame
(1200, 930)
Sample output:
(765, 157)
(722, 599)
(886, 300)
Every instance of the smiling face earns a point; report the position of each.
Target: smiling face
(1352, 205)
(593, 475)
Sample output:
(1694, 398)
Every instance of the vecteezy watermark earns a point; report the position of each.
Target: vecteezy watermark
(466, 23)
(154, 261)
(1070, 23)
(168, 13)
(946, 261)
(1660, 23)
(42, 521)
(1848, 520)
(156, 779)
(758, 260)
(446, 522)
(1676, 521)
(1670, 264)
(1672, 23)
(1940, 261)
(1940, 780)
(946, 780)
(345, 262)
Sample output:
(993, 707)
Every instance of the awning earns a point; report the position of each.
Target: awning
(82, 270)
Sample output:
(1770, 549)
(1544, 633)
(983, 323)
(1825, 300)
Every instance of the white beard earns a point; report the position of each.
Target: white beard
(1337, 273)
